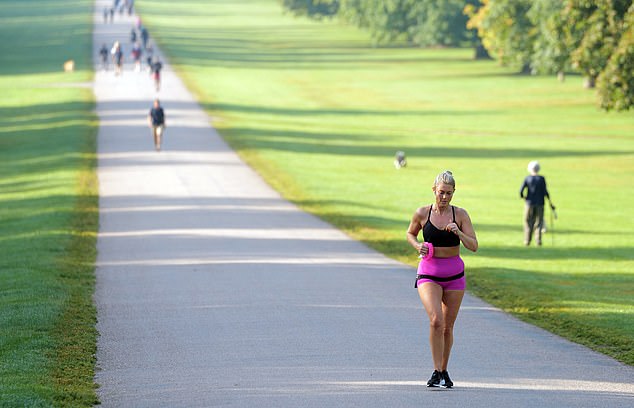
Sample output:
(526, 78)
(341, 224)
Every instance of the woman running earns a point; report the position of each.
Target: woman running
(440, 277)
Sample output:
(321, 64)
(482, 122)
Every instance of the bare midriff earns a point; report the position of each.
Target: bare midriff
(446, 252)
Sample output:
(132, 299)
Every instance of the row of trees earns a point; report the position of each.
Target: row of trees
(591, 37)
(420, 22)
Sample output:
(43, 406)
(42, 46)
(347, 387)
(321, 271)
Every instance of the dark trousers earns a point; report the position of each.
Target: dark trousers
(533, 223)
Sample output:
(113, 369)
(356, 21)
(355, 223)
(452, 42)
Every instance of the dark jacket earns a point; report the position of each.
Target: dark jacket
(158, 116)
(536, 190)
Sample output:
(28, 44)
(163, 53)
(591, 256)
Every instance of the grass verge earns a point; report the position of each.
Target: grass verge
(48, 205)
(320, 113)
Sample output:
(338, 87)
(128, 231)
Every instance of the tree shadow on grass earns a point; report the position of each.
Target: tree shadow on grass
(552, 291)
(614, 253)
(43, 138)
(312, 142)
(17, 118)
(518, 228)
(288, 47)
(590, 308)
(51, 32)
(270, 110)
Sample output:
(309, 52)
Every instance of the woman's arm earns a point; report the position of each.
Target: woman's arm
(413, 230)
(465, 232)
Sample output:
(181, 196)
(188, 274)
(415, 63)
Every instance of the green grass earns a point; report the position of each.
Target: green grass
(48, 205)
(319, 113)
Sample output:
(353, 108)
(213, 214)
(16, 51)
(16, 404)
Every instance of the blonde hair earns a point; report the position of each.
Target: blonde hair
(445, 177)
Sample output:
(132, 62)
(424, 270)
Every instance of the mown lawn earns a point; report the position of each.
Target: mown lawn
(320, 113)
(48, 205)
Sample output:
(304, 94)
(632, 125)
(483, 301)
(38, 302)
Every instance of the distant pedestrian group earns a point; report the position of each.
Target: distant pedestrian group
(120, 6)
(141, 51)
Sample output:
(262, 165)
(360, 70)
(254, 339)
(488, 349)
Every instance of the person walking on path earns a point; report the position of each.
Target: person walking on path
(440, 276)
(117, 57)
(156, 121)
(149, 57)
(136, 56)
(115, 6)
(145, 35)
(156, 73)
(535, 187)
(103, 54)
(130, 6)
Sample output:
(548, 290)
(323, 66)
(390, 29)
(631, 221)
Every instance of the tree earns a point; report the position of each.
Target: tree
(439, 22)
(616, 82)
(473, 23)
(312, 8)
(551, 54)
(386, 20)
(593, 30)
(419, 22)
(506, 31)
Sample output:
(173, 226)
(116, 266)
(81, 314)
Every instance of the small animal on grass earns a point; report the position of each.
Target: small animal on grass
(400, 160)
(69, 66)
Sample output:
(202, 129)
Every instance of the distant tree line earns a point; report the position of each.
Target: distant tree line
(592, 37)
(420, 22)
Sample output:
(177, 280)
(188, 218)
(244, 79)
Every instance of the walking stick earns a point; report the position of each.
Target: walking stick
(553, 217)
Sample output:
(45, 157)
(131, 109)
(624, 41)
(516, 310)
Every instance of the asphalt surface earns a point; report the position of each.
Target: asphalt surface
(214, 291)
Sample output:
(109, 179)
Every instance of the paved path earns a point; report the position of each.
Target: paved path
(213, 291)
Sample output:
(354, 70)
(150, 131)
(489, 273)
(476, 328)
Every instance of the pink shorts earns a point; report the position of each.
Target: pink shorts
(446, 272)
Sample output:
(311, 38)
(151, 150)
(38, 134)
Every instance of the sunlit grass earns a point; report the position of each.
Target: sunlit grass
(319, 113)
(48, 201)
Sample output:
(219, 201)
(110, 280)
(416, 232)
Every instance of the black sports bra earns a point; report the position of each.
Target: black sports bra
(440, 238)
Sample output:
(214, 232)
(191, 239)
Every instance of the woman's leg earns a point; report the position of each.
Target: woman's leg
(451, 301)
(431, 294)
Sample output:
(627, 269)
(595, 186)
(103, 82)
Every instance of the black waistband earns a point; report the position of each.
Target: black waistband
(438, 278)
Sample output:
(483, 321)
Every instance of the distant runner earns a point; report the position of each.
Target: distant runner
(117, 57)
(156, 121)
(156, 73)
(103, 54)
(136, 56)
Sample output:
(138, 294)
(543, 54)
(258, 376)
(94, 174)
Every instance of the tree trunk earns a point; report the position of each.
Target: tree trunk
(526, 69)
(561, 76)
(481, 52)
(589, 82)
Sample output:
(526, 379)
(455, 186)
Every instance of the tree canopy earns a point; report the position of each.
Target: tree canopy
(616, 82)
(420, 22)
